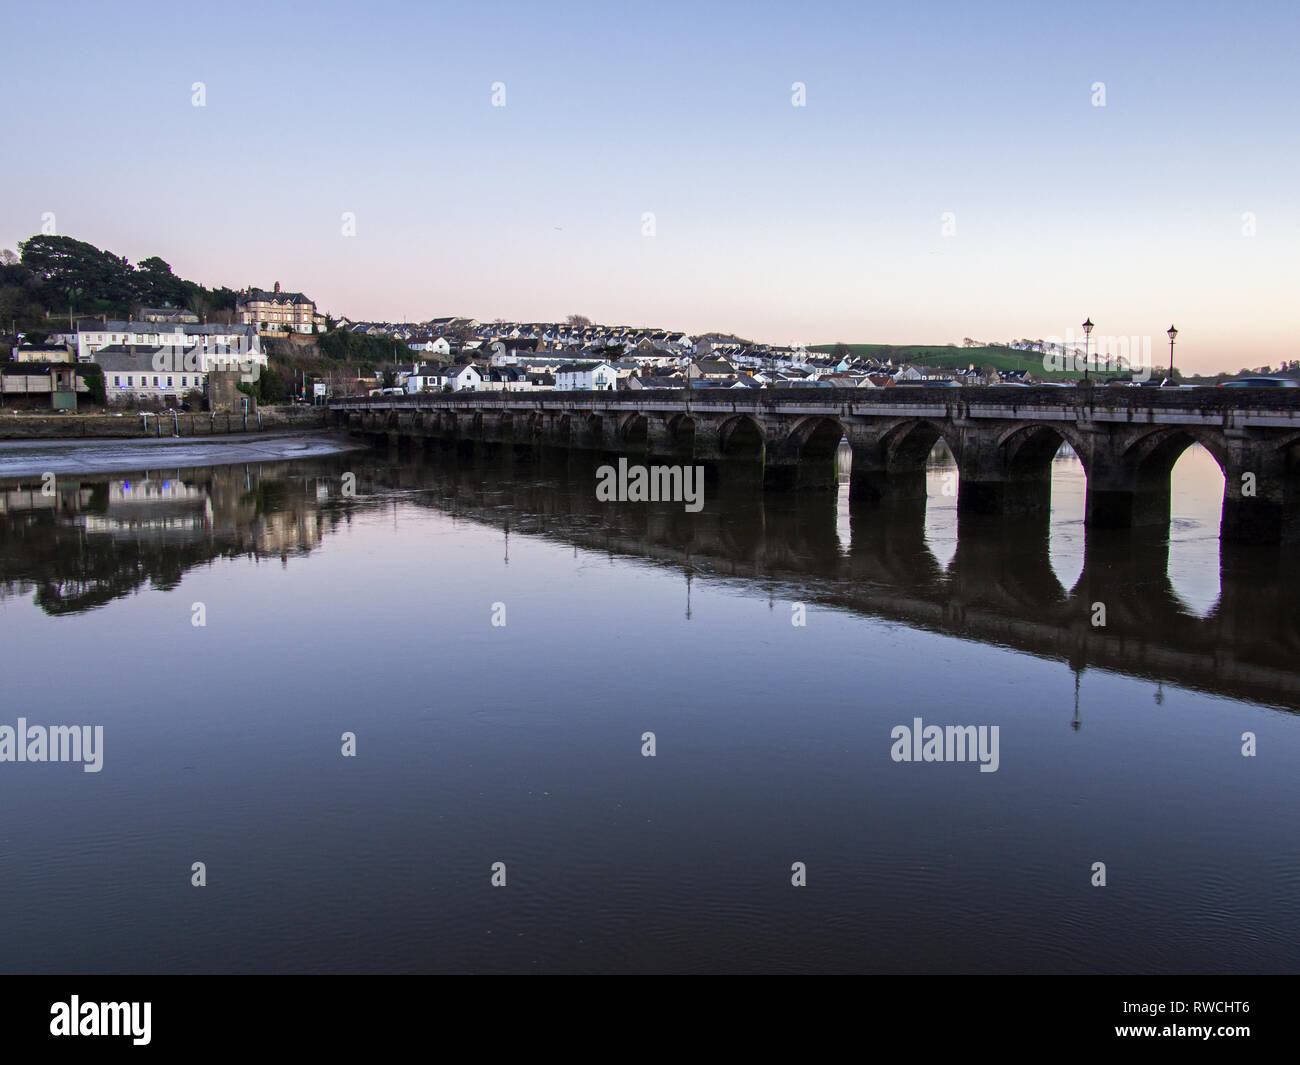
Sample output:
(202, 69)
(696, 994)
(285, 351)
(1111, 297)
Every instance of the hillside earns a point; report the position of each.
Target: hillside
(951, 357)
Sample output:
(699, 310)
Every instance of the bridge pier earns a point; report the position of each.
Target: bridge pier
(1258, 521)
(874, 485)
(803, 459)
(1116, 503)
(708, 444)
(670, 436)
(1026, 498)
(1261, 492)
(788, 473)
(589, 432)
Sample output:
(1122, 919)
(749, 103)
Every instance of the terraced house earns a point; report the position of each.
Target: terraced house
(133, 372)
(94, 334)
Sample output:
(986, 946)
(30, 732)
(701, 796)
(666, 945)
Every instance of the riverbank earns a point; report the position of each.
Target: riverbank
(33, 458)
(54, 426)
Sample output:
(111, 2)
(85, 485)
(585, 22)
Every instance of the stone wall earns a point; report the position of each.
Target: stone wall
(52, 426)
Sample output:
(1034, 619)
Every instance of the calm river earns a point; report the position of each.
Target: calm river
(499, 644)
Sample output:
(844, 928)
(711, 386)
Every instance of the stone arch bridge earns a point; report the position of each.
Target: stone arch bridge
(1003, 439)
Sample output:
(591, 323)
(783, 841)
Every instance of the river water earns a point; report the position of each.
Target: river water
(499, 644)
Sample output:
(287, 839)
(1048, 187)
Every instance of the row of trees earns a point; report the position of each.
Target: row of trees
(55, 275)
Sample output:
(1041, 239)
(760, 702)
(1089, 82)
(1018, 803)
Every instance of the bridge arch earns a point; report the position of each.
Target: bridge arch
(681, 433)
(807, 455)
(1033, 447)
(1134, 486)
(593, 431)
(889, 464)
(633, 431)
(907, 446)
(740, 439)
(816, 435)
(1154, 453)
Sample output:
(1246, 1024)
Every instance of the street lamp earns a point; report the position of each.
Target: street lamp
(1087, 332)
(1171, 332)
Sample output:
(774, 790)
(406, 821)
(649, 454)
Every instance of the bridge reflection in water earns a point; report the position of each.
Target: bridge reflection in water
(98, 540)
(1000, 586)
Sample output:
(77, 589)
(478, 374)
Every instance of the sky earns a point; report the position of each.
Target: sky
(948, 172)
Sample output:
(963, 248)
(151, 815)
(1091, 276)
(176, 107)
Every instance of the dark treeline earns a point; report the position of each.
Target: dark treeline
(54, 277)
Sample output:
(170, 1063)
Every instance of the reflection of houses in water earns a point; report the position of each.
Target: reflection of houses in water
(232, 506)
(17, 500)
(165, 508)
(288, 531)
(76, 542)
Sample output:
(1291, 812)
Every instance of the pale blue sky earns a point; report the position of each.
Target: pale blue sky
(787, 224)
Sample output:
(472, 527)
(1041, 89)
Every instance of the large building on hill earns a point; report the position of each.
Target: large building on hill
(278, 312)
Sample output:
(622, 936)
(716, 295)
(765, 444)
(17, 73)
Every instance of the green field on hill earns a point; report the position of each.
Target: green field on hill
(951, 357)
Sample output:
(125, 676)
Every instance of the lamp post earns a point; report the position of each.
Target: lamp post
(1087, 332)
(1171, 332)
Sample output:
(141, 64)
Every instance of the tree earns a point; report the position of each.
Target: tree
(271, 387)
(155, 284)
(577, 321)
(8, 258)
(93, 376)
(63, 263)
(841, 350)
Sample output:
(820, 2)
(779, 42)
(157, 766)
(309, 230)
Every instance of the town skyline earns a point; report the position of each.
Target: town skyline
(805, 176)
(1140, 350)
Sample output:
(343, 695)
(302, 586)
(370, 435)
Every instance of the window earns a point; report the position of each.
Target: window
(155, 382)
(169, 382)
(185, 382)
(117, 381)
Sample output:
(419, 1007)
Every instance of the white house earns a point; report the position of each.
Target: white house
(188, 346)
(586, 377)
(134, 372)
(463, 378)
(425, 377)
